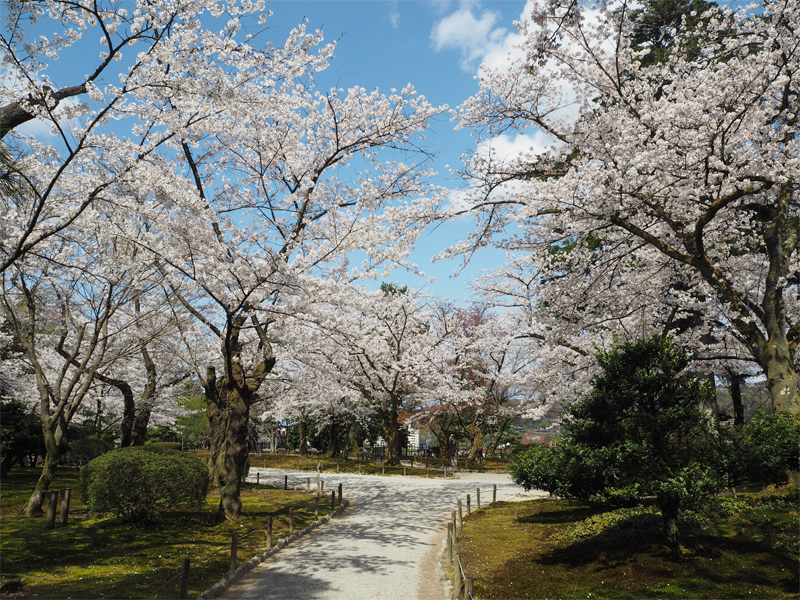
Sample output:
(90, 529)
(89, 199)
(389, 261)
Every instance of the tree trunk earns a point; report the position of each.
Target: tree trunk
(6, 464)
(128, 417)
(53, 434)
(477, 443)
(229, 416)
(391, 432)
(304, 435)
(491, 451)
(140, 423)
(736, 380)
(334, 437)
(669, 514)
(782, 380)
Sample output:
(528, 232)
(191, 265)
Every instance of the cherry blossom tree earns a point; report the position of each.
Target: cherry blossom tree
(672, 179)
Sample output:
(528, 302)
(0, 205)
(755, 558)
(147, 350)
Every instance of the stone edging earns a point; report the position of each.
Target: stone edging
(219, 588)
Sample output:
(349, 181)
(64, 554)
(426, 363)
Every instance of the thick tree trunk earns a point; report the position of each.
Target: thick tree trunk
(128, 416)
(391, 432)
(140, 423)
(477, 443)
(53, 434)
(6, 464)
(669, 514)
(782, 379)
(334, 437)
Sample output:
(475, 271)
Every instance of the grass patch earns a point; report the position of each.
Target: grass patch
(737, 548)
(95, 557)
(351, 465)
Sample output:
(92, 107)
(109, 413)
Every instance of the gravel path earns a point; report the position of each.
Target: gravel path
(383, 547)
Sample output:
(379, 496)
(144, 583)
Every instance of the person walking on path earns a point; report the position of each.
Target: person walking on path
(365, 449)
(452, 450)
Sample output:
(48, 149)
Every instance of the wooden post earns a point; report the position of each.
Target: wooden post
(450, 543)
(291, 520)
(359, 467)
(340, 494)
(308, 484)
(269, 532)
(265, 463)
(321, 488)
(468, 588)
(316, 508)
(185, 579)
(427, 471)
(458, 569)
(412, 461)
(65, 494)
(319, 493)
(333, 499)
(404, 471)
(383, 469)
(234, 549)
(445, 473)
(286, 482)
(51, 511)
(460, 516)
(494, 493)
(298, 463)
(469, 508)
(337, 467)
(258, 478)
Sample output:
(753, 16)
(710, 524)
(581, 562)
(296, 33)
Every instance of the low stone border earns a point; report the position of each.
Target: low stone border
(219, 588)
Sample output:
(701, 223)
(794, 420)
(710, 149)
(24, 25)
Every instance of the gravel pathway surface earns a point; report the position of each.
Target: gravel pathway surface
(383, 547)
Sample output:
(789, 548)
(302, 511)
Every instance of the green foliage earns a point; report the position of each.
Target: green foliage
(164, 446)
(638, 433)
(161, 434)
(20, 433)
(391, 289)
(761, 451)
(85, 450)
(137, 484)
(193, 427)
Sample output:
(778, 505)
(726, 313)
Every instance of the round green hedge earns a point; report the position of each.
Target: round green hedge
(138, 484)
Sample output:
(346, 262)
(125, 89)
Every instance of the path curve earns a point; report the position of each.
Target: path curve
(381, 548)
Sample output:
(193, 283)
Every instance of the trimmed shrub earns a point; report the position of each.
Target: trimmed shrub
(87, 449)
(137, 484)
(165, 446)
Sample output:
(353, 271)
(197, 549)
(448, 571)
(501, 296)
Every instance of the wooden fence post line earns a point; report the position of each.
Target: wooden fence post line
(494, 493)
(185, 579)
(316, 508)
(319, 493)
(333, 499)
(321, 488)
(460, 516)
(340, 494)
(51, 511)
(234, 548)
(291, 520)
(478, 495)
(469, 508)
(286, 482)
(65, 494)
(269, 532)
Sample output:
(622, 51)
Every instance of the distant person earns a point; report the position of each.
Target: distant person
(365, 449)
(452, 450)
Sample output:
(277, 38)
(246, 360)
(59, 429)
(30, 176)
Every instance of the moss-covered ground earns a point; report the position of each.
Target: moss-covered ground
(743, 548)
(101, 557)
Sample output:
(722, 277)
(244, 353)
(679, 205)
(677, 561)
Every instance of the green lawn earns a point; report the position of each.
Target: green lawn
(563, 549)
(96, 557)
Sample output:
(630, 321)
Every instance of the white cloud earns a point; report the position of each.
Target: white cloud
(473, 31)
(505, 148)
(394, 17)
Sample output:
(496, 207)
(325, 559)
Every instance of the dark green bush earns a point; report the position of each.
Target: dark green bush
(138, 484)
(87, 449)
